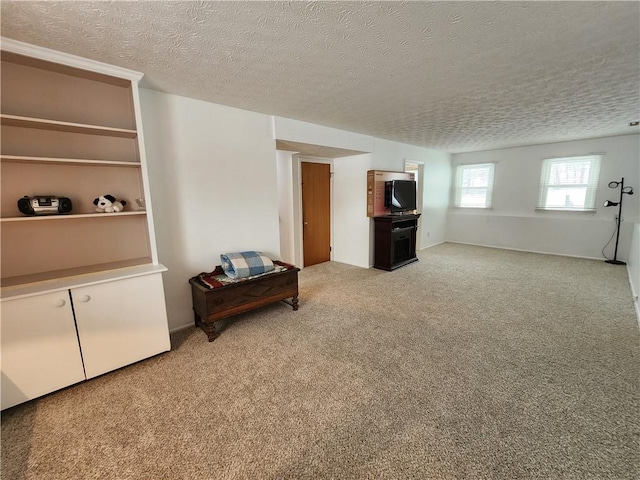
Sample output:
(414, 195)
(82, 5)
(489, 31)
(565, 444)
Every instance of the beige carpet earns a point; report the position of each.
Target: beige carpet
(473, 363)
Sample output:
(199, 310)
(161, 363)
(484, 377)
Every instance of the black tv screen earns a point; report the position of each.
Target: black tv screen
(402, 195)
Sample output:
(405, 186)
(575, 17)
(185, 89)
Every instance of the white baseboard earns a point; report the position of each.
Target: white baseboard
(181, 327)
(634, 296)
(432, 245)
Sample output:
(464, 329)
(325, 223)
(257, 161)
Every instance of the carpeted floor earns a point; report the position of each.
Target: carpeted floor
(473, 363)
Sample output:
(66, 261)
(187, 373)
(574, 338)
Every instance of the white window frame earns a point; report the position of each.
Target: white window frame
(590, 186)
(487, 189)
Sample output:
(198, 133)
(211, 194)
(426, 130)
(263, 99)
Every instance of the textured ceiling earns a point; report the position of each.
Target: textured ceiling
(454, 76)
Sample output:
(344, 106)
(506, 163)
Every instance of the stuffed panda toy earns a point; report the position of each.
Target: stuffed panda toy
(108, 204)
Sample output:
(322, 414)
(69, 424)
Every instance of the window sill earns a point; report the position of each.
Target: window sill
(566, 210)
(455, 207)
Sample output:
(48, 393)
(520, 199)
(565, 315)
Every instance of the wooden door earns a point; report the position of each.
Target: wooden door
(316, 216)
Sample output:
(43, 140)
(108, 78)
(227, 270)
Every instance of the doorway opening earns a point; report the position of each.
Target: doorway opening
(417, 168)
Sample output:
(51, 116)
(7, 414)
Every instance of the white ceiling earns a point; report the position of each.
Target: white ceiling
(453, 76)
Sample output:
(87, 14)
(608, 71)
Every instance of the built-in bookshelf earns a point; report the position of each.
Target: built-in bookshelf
(81, 293)
(70, 132)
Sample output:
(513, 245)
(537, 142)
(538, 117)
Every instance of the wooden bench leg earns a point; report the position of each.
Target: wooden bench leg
(293, 302)
(208, 328)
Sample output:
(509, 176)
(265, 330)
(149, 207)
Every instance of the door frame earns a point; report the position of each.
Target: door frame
(297, 204)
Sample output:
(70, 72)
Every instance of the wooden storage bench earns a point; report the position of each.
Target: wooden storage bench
(214, 300)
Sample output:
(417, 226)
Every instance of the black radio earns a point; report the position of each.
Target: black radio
(44, 205)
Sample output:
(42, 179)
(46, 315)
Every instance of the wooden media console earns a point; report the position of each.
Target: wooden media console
(395, 241)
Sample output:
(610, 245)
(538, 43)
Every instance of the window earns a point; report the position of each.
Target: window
(569, 183)
(474, 185)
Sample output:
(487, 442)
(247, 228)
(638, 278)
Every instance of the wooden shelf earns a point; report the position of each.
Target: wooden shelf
(67, 161)
(45, 124)
(72, 216)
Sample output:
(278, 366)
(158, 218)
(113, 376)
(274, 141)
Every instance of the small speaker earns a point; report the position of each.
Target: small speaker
(24, 205)
(44, 205)
(64, 205)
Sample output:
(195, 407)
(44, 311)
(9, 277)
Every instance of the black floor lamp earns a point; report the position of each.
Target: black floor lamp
(609, 203)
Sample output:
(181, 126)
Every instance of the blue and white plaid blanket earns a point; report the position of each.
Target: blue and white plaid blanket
(245, 264)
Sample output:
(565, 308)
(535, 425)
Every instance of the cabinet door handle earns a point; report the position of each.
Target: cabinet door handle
(59, 303)
(85, 298)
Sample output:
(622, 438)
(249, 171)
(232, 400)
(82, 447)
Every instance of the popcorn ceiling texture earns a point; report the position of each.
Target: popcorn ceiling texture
(453, 76)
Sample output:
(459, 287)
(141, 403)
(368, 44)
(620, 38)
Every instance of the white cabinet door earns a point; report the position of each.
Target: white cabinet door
(120, 322)
(40, 351)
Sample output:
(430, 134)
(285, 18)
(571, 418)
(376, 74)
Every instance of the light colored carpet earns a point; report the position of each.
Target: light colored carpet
(473, 363)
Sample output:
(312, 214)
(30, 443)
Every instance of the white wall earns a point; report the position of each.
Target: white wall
(212, 171)
(285, 205)
(351, 225)
(435, 200)
(513, 221)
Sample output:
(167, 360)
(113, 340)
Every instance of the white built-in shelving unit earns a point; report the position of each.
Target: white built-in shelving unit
(72, 127)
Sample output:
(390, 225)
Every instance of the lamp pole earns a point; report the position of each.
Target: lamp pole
(615, 260)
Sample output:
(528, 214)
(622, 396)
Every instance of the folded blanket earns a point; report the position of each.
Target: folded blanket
(245, 264)
(218, 278)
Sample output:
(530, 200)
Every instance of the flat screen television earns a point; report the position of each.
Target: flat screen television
(400, 195)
